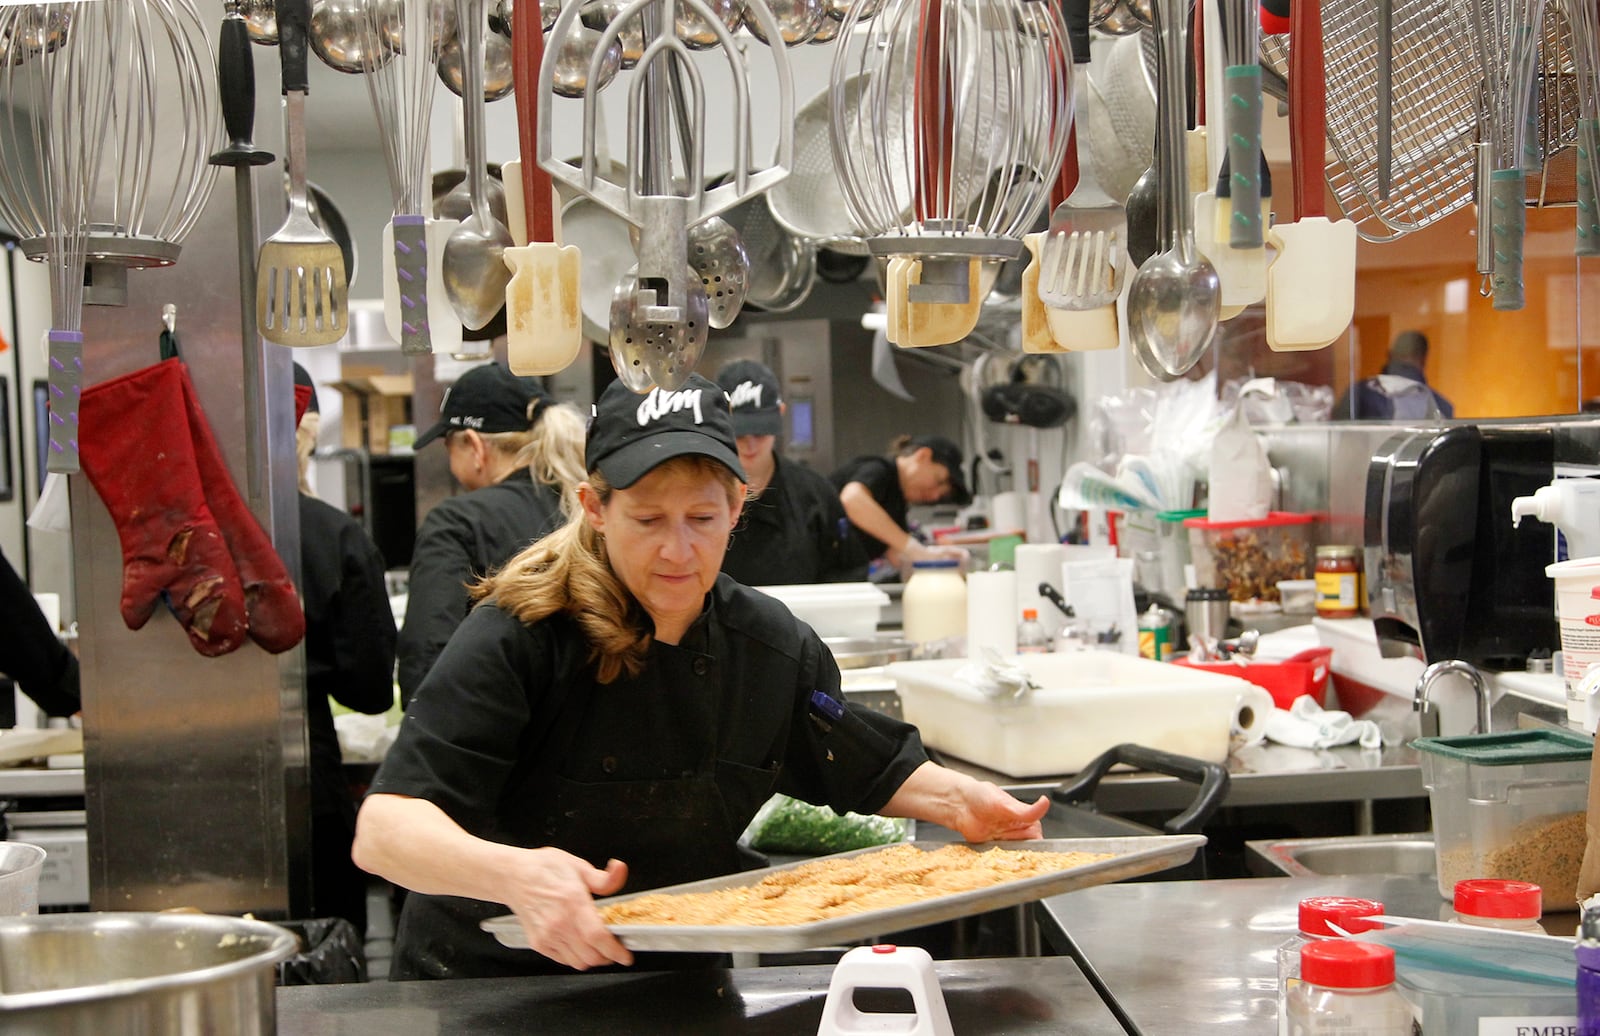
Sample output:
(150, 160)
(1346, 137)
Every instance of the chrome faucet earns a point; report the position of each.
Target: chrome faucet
(1429, 719)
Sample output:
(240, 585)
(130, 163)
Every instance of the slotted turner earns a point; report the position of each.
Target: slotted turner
(1081, 256)
(300, 276)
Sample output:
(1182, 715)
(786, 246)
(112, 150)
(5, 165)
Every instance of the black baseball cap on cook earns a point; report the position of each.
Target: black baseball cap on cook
(631, 434)
(753, 398)
(487, 399)
(949, 454)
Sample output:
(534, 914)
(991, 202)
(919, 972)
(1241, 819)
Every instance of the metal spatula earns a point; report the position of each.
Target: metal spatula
(300, 276)
(1080, 260)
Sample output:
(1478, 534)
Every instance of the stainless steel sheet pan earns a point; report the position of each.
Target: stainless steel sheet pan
(1130, 858)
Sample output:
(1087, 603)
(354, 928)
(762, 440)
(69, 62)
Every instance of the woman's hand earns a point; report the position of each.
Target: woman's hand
(413, 843)
(992, 814)
(552, 893)
(980, 811)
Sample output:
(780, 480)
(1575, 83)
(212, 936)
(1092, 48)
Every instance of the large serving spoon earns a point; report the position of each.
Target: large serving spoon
(475, 273)
(1175, 298)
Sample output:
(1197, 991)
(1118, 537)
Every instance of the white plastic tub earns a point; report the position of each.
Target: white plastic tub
(833, 609)
(1088, 701)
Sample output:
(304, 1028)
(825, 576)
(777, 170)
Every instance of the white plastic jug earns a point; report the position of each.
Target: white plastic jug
(885, 967)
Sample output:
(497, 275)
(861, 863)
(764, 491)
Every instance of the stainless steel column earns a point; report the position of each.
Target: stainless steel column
(195, 768)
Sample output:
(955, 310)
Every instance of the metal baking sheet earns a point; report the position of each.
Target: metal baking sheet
(1131, 857)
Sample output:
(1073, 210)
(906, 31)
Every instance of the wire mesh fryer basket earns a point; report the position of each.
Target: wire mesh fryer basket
(1433, 114)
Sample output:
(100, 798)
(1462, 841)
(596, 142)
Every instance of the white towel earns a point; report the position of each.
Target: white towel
(1308, 725)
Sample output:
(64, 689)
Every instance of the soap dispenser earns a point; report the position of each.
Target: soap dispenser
(1572, 505)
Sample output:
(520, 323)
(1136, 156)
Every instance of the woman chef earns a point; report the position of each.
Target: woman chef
(612, 714)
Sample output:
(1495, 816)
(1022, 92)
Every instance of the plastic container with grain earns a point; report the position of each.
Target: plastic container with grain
(1511, 806)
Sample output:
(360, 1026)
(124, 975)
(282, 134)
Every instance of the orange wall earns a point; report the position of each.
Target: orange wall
(1488, 362)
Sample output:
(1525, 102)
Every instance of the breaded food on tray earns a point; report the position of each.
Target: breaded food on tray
(896, 876)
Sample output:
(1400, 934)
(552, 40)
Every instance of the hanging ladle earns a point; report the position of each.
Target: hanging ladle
(475, 273)
(1175, 298)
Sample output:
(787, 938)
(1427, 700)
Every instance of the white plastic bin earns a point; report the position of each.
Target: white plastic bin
(1088, 701)
(833, 609)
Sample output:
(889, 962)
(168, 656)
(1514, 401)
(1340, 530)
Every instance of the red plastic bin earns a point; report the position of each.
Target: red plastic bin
(1305, 673)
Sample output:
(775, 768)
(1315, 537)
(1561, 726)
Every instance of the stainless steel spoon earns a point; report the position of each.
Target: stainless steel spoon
(718, 256)
(1175, 298)
(474, 271)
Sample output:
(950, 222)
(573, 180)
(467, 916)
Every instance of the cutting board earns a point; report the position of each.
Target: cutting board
(17, 746)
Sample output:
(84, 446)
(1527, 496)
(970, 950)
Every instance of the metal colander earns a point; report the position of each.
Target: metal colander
(782, 265)
(810, 203)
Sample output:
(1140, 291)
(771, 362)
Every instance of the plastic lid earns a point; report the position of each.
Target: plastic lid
(1030, 615)
(1178, 516)
(1337, 550)
(1273, 518)
(1499, 897)
(1512, 748)
(936, 563)
(1346, 964)
(1345, 911)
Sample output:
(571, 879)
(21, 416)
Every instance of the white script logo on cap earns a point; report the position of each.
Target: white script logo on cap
(659, 404)
(747, 393)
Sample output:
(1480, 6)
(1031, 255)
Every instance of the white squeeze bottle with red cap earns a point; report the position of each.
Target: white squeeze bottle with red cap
(1347, 989)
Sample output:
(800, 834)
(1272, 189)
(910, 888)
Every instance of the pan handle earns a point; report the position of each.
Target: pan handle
(1211, 777)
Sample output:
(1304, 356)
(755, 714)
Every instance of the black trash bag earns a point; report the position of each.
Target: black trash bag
(331, 952)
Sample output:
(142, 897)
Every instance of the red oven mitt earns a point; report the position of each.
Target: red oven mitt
(277, 621)
(138, 454)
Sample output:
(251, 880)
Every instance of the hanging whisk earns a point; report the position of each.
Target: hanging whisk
(1507, 34)
(103, 166)
(960, 125)
(1584, 25)
(401, 45)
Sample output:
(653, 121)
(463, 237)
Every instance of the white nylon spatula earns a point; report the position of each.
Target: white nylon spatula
(544, 321)
(1311, 286)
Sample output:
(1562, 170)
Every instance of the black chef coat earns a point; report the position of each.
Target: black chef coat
(881, 476)
(30, 651)
(461, 540)
(349, 648)
(514, 739)
(794, 532)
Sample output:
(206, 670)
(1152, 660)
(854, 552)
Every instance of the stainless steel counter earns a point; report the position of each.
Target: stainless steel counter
(1189, 957)
(26, 781)
(1263, 774)
(1017, 997)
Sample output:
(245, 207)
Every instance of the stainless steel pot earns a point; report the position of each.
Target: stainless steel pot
(168, 974)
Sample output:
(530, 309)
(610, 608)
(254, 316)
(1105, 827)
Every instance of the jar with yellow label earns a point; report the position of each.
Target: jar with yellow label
(1339, 589)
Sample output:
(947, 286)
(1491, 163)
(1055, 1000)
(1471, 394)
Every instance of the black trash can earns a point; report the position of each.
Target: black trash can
(331, 952)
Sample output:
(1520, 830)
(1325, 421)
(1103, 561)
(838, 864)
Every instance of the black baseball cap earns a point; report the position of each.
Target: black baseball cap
(948, 454)
(305, 394)
(485, 399)
(631, 434)
(753, 398)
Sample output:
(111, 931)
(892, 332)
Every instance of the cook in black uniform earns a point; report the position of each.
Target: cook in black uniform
(614, 711)
(349, 658)
(30, 652)
(516, 451)
(876, 492)
(793, 528)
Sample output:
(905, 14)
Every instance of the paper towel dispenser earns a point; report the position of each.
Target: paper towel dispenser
(1447, 574)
